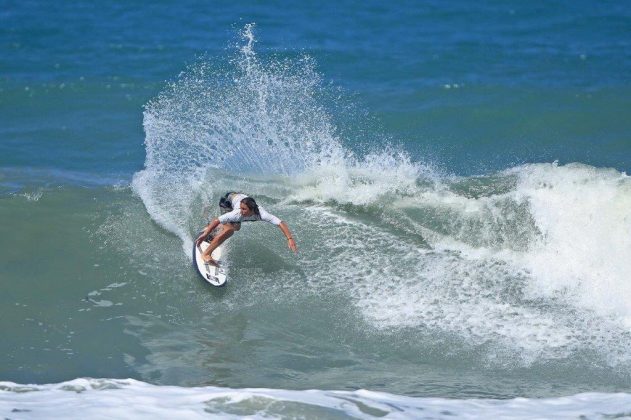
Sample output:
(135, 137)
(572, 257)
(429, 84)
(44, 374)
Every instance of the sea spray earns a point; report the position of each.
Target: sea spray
(248, 116)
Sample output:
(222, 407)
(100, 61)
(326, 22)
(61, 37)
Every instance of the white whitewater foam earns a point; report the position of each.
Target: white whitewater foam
(584, 250)
(128, 398)
(537, 268)
(361, 181)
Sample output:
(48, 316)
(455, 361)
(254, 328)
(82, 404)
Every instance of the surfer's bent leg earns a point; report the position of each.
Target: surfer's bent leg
(226, 232)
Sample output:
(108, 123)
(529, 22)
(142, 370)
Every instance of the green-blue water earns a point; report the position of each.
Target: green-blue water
(454, 175)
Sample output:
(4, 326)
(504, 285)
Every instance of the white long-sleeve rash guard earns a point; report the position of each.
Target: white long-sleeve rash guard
(235, 215)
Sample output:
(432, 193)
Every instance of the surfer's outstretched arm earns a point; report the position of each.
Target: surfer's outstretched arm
(291, 243)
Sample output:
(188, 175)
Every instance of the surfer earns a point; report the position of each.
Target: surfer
(236, 208)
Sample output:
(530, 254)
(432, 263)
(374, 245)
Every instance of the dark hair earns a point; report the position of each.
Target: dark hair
(249, 201)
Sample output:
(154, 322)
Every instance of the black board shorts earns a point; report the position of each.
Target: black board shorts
(225, 204)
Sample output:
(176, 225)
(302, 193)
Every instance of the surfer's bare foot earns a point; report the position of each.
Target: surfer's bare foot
(210, 261)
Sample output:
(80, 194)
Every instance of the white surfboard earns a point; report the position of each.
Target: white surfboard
(210, 273)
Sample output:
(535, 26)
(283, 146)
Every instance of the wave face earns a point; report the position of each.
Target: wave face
(523, 266)
(107, 398)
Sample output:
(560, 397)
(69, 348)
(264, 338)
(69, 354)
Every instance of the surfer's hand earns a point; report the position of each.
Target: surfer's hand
(292, 244)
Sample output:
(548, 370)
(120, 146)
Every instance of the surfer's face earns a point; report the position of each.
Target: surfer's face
(245, 210)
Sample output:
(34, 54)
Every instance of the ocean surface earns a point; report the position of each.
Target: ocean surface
(454, 173)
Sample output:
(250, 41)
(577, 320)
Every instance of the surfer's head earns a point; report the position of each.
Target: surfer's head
(249, 207)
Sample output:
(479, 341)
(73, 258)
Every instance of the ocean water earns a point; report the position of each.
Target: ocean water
(455, 175)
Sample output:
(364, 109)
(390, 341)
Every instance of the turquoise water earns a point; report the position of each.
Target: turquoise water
(455, 176)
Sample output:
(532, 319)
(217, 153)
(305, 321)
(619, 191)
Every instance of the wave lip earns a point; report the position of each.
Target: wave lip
(129, 398)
